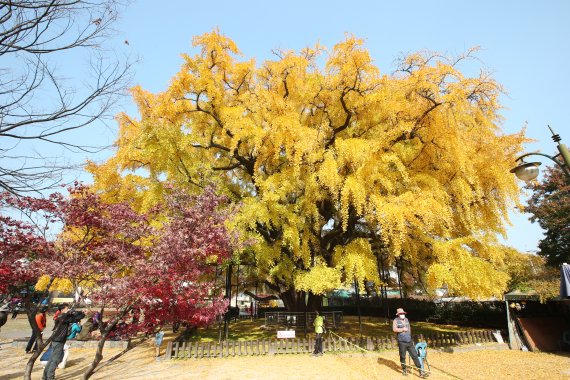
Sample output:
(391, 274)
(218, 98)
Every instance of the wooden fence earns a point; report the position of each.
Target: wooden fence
(186, 350)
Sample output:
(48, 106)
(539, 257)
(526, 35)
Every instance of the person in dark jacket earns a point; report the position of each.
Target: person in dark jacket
(96, 320)
(16, 305)
(59, 338)
(56, 315)
(401, 326)
(3, 314)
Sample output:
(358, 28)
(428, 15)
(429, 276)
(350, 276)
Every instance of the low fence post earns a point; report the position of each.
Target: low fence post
(176, 345)
(169, 350)
(179, 350)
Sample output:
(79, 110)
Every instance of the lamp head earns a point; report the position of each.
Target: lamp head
(526, 171)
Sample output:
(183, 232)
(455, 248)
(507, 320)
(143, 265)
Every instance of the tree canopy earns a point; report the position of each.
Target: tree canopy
(550, 208)
(327, 155)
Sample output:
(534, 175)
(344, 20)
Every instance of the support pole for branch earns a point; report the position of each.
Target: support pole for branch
(357, 290)
(237, 290)
(228, 296)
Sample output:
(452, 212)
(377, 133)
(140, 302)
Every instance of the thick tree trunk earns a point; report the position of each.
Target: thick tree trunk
(293, 300)
(315, 302)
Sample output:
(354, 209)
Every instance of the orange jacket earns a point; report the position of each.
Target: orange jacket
(41, 321)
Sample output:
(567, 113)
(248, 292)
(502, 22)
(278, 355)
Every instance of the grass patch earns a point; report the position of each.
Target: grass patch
(248, 329)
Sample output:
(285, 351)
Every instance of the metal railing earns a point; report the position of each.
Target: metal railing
(301, 321)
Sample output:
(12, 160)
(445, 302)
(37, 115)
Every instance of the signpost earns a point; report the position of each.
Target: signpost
(284, 334)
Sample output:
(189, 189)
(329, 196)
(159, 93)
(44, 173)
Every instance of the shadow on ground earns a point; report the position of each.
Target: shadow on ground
(390, 364)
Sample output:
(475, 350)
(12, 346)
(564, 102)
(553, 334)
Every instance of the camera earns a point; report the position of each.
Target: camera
(76, 315)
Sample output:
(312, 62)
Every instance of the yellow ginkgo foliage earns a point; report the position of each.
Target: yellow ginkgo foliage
(327, 159)
(58, 284)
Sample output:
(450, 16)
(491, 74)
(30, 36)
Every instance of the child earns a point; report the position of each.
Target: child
(158, 341)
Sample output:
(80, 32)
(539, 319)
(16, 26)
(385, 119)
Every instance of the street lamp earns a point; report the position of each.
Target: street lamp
(527, 171)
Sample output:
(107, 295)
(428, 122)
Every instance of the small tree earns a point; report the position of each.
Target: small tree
(97, 244)
(176, 280)
(161, 263)
(20, 244)
(25, 250)
(550, 207)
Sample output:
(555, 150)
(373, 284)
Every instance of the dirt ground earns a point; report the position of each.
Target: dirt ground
(139, 363)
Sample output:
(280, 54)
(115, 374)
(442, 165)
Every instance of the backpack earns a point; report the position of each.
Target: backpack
(69, 329)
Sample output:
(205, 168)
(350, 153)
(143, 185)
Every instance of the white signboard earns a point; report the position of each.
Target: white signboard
(498, 337)
(286, 334)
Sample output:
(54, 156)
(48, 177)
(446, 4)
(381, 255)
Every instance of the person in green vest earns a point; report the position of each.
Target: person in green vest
(319, 324)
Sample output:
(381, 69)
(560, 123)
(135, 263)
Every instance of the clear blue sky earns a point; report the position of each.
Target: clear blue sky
(526, 44)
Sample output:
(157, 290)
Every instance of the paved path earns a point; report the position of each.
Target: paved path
(19, 328)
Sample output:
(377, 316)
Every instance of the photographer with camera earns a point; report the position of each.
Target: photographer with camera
(66, 318)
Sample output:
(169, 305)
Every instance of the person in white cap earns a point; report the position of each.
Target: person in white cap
(401, 326)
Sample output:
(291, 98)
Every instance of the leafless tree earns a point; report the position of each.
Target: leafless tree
(39, 107)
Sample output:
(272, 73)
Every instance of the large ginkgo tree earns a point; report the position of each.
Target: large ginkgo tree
(330, 158)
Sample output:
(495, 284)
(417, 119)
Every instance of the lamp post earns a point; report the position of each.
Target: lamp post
(527, 171)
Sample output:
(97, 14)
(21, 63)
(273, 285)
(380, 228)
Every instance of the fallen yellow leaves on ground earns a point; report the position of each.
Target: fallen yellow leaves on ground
(139, 363)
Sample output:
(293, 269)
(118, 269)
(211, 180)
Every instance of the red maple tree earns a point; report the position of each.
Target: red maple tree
(22, 242)
(126, 262)
(175, 278)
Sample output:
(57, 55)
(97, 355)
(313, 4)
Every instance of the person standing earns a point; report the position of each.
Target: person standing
(16, 305)
(59, 338)
(158, 341)
(401, 326)
(3, 315)
(75, 329)
(56, 315)
(41, 323)
(319, 324)
(86, 329)
(96, 320)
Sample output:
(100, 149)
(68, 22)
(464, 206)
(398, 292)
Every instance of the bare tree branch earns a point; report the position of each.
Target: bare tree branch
(38, 106)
